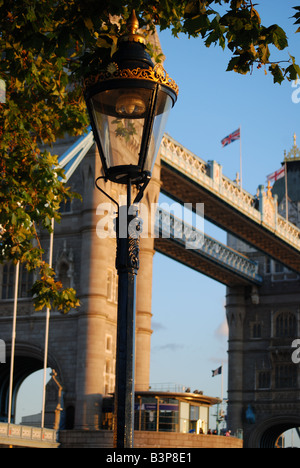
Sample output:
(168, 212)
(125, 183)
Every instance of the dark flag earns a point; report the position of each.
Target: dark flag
(217, 371)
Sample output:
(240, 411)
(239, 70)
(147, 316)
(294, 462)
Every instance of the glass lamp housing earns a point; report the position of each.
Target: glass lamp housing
(129, 123)
(128, 110)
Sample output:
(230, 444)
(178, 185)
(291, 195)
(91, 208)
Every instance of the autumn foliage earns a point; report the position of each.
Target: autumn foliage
(47, 47)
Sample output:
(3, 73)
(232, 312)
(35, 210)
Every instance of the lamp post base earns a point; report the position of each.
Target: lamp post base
(127, 264)
(124, 391)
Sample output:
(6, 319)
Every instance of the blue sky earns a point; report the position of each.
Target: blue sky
(190, 338)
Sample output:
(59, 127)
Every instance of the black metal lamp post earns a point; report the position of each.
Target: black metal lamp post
(128, 107)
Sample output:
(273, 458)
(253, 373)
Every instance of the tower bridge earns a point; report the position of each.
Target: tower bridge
(188, 179)
(254, 219)
(262, 378)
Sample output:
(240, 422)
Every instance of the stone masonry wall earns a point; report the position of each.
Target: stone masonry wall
(104, 439)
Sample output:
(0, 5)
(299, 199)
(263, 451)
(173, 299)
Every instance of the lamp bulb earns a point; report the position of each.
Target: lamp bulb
(130, 105)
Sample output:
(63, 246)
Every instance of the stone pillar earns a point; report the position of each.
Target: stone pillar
(143, 316)
(95, 314)
(53, 402)
(235, 311)
(98, 316)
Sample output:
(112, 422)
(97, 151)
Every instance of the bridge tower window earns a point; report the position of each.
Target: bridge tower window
(279, 268)
(286, 376)
(268, 266)
(256, 330)
(286, 325)
(112, 286)
(65, 206)
(264, 380)
(8, 281)
(64, 275)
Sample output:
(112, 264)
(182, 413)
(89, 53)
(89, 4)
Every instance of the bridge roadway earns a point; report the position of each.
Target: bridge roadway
(13, 435)
(188, 179)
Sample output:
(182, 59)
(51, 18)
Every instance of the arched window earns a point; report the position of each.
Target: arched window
(65, 206)
(112, 286)
(286, 376)
(2, 352)
(26, 282)
(8, 281)
(64, 266)
(286, 325)
(256, 330)
(63, 275)
(264, 380)
(70, 417)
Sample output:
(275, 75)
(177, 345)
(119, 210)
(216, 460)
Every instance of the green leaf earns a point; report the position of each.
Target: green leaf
(293, 72)
(264, 53)
(194, 26)
(233, 64)
(279, 38)
(277, 73)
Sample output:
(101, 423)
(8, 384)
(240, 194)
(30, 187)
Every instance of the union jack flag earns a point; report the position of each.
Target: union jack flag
(231, 138)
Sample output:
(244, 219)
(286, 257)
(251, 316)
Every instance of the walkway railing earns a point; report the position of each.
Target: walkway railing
(262, 208)
(169, 226)
(27, 436)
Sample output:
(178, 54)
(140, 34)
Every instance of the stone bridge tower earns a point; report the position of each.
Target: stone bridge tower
(82, 343)
(263, 382)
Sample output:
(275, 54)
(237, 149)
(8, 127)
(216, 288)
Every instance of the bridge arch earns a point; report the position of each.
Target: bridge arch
(28, 359)
(265, 434)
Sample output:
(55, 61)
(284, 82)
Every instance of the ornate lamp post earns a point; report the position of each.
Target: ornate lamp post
(128, 106)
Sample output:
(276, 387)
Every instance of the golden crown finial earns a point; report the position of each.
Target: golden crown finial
(132, 27)
(132, 23)
(294, 154)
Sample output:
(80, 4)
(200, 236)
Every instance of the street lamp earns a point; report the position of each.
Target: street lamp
(128, 106)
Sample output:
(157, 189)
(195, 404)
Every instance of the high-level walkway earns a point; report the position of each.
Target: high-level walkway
(187, 245)
(255, 219)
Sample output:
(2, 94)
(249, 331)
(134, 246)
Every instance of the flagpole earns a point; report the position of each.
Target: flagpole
(241, 166)
(222, 388)
(13, 342)
(222, 392)
(286, 193)
(47, 332)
